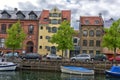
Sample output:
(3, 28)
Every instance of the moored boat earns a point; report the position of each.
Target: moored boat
(113, 72)
(7, 66)
(76, 70)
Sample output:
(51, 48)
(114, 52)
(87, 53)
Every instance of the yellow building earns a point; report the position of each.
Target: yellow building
(49, 23)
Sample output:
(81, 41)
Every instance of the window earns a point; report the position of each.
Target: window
(41, 37)
(64, 19)
(32, 16)
(96, 21)
(40, 47)
(85, 33)
(59, 21)
(49, 29)
(91, 43)
(5, 16)
(75, 40)
(98, 43)
(30, 29)
(54, 29)
(54, 21)
(2, 40)
(86, 21)
(55, 15)
(97, 52)
(20, 16)
(91, 33)
(84, 51)
(90, 51)
(3, 28)
(47, 47)
(45, 19)
(10, 25)
(84, 42)
(41, 27)
(47, 37)
(98, 33)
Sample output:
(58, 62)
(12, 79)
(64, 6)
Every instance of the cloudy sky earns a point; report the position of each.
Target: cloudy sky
(108, 8)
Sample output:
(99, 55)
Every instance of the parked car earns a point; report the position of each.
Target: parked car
(117, 58)
(81, 57)
(31, 56)
(11, 54)
(100, 57)
(53, 56)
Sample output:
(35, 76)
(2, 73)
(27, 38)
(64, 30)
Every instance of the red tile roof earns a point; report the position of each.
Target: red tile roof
(66, 14)
(44, 14)
(91, 20)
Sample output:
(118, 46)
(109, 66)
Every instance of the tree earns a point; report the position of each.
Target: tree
(15, 37)
(64, 37)
(111, 38)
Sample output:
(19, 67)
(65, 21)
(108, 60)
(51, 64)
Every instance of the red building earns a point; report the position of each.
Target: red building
(29, 23)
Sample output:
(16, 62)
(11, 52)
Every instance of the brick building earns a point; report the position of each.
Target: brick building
(91, 32)
(29, 23)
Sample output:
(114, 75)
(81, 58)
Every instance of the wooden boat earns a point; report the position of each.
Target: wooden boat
(114, 71)
(7, 66)
(76, 70)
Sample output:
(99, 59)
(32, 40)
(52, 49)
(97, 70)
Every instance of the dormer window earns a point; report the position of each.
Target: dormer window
(32, 15)
(64, 19)
(20, 15)
(45, 19)
(5, 15)
(96, 21)
(86, 21)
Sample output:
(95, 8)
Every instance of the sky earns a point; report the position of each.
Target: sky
(108, 8)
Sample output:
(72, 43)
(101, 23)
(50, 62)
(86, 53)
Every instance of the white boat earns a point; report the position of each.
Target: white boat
(76, 70)
(7, 66)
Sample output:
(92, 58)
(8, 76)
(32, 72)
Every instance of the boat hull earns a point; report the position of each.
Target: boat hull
(7, 66)
(76, 70)
(112, 74)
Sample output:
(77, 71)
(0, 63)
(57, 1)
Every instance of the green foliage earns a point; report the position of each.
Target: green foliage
(64, 36)
(15, 36)
(111, 38)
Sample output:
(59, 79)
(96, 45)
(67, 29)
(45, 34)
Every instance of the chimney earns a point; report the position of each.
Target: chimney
(15, 9)
(100, 14)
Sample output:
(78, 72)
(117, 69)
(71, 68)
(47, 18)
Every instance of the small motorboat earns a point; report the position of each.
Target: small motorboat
(76, 70)
(113, 72)
(7, 66)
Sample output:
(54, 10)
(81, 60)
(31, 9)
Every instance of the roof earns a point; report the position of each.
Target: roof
(66, 14)
(13, 13)
(91, 20)
(44, 14)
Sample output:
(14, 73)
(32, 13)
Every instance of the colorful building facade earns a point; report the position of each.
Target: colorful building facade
(91, 32)
(49, 23)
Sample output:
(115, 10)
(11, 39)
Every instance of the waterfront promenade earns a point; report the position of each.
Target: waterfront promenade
(54, 65)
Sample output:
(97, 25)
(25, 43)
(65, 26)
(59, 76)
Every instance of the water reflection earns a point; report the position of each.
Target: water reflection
(111, 78)
(75, 77)
(38, 75)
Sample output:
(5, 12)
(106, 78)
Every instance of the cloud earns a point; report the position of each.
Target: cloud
(108, 8)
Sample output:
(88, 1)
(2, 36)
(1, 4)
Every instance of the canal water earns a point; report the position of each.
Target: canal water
(39, 75)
